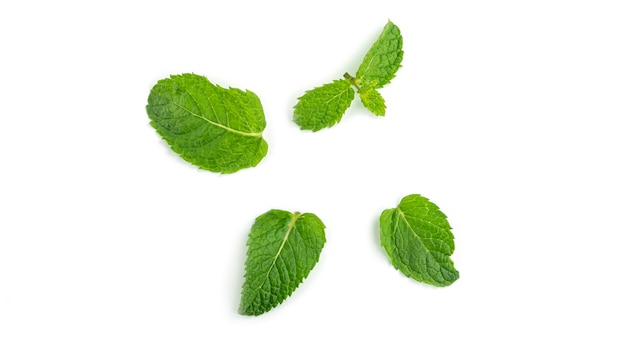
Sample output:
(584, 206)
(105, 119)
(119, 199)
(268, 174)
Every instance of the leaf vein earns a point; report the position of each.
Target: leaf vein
(229, 129)
(290, 227)
(428, 250)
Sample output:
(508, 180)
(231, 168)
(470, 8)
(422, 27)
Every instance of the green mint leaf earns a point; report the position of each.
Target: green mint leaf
(282, 249)
(323, 106)
(215, 128)
(372, 100)
(417, 238)
(383, 59)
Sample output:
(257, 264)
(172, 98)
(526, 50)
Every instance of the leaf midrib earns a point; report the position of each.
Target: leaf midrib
(249, 134)
(342, 92)
(415, 233)
(292, 224)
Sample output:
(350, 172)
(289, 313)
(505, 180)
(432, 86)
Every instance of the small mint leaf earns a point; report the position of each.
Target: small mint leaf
(417, 238)
(215, 128)
(323, 106)
(383, 59)
(283, 248)
(372, 100)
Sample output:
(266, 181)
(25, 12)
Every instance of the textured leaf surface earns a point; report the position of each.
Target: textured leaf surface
(372, 100)
(383, 59)
(215, 128)
(282, 249)
(323, 106)
(416, 235)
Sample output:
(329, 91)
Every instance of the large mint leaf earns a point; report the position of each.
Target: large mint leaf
(416, 235)
(383, 59)
(282, 249)
(323, 106)
(215, 128)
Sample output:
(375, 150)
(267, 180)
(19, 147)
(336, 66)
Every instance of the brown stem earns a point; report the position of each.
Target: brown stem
(352, 80)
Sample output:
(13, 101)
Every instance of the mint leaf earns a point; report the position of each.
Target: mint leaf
(417, 238)
(214, 128)
(323, 106)
(372, 100)
(383, 59)
(282, 249)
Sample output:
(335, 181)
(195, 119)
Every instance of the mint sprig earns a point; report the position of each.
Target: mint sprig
(324, 106)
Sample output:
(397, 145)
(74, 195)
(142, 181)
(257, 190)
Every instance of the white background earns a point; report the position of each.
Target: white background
(508, 115)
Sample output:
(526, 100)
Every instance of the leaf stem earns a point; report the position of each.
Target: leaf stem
(355, 81)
